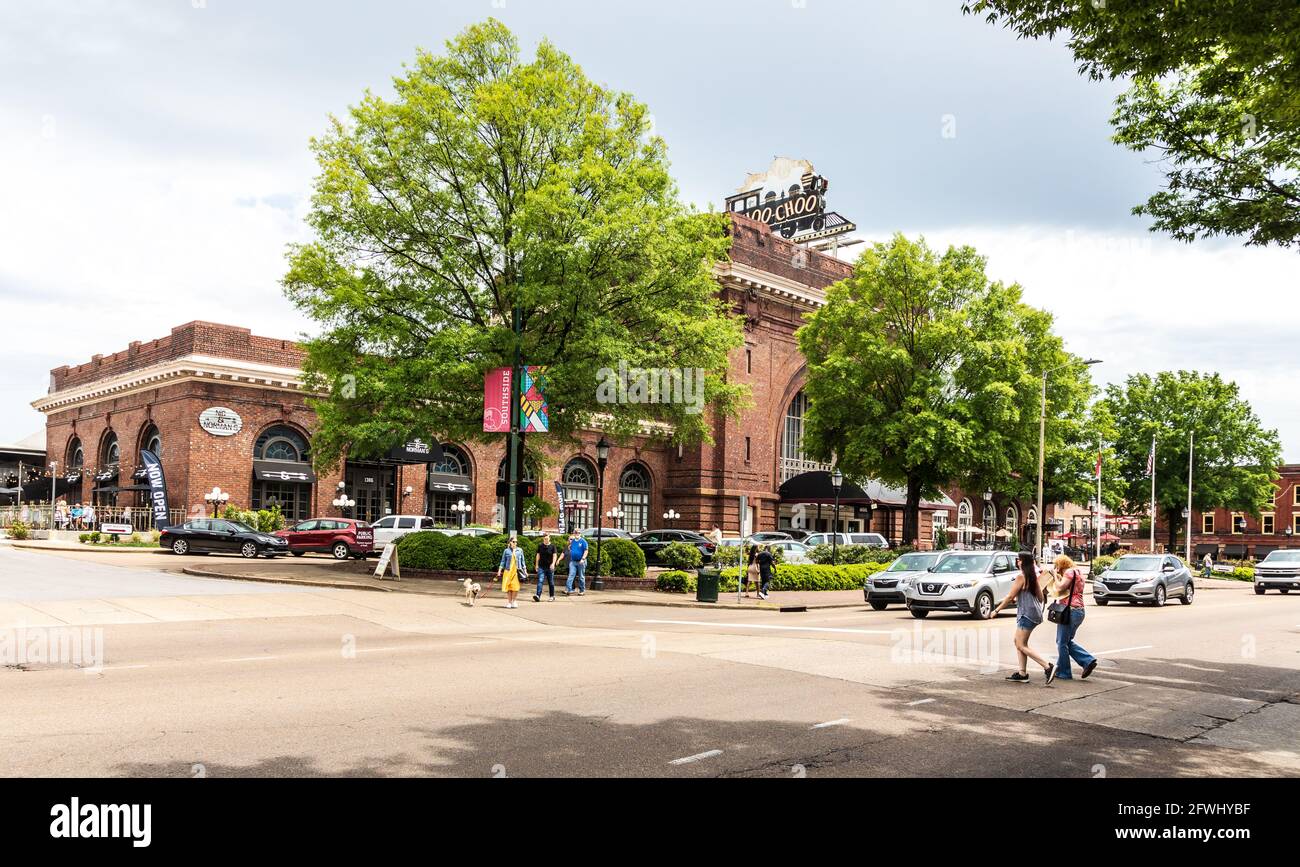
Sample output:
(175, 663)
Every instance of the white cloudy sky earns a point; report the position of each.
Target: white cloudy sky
(153, 162)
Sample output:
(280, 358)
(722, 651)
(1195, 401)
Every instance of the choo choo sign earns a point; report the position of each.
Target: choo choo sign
(790, 197)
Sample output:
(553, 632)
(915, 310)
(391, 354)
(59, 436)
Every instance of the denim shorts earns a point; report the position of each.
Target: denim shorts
(1025, 623)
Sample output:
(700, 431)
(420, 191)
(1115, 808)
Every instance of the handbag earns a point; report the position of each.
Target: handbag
(1059, 612)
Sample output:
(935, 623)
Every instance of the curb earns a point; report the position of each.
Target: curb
(97, 549)
(267, 579)
(727, 606)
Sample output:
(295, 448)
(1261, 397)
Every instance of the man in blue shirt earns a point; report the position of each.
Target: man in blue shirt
(577, 563)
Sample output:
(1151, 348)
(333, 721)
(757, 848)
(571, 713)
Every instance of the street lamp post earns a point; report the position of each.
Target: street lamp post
(461, 508)
(837, 480)
(670, 516)
(602, 460)
(54, 466)
(1042, 442)
(217, 498)
(1187, 519)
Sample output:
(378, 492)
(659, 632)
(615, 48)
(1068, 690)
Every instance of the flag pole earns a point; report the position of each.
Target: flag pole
(1153, 493)
(1191, 452)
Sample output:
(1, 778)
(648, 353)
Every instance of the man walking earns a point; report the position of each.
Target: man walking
(577, 563)
(548, 557)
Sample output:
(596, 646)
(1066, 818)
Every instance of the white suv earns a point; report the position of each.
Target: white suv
(968, 582)
(390, 529)
(871, 540)
(1280, 571)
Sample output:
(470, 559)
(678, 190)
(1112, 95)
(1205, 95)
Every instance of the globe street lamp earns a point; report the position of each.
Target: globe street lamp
(217, 498)
(602, 460)
(670, 516)
(1042, 441)
(837, 481)
(616, 515)
(342, 502)
(461, 509)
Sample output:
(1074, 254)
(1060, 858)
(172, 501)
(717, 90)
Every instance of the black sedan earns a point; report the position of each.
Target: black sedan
(655, 541)
(215, 536)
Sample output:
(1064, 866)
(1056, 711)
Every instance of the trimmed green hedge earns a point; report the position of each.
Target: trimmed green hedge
(438, 552)
(849, 554)
(681, 556)
(789, 576)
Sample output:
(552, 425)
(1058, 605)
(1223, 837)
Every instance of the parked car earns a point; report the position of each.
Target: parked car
(394, 527)
(792, 551)
(1149, 578)
(889, 587)
(340, 537)
(476, 531)
(217, 536)
(1279, 571)
(654, 541)
(760, 538)
(799, 535)
(969, 582)
(871, 540)
(605, 533)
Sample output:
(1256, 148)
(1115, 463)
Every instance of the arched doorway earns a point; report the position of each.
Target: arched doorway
(579, 481)
(282, 473)
(451, 482)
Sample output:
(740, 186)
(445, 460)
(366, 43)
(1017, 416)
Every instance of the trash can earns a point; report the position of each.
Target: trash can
(707, 579)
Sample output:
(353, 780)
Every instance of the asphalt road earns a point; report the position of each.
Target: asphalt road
(225, 678)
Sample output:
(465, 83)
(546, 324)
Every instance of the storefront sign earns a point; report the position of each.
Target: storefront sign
(496, 400)
(417, 451)
(221, 422)
(791, 199)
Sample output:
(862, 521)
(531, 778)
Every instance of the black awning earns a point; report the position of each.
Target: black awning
(123, 489)
(105, 479)
(283, 471)
(1238, 551)
(817, 488)
(1202, 550)
(417, 451)
(451, 484)
(1262, 551)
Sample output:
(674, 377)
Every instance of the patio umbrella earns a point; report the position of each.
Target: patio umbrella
(1109, 537)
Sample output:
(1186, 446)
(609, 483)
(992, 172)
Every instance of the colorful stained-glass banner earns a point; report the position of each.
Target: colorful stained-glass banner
(534, 414)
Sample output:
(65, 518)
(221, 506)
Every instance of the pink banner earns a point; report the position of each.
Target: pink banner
(496, 400)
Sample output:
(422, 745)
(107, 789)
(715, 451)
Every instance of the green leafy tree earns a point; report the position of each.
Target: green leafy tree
(1215, 91)
(1235, 460)
(921, 372)
(486, 187)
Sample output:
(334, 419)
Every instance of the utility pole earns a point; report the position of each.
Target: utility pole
(512, 495)
(1191, 453)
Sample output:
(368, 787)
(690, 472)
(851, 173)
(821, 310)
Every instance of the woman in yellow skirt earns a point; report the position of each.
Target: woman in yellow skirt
(512, 569)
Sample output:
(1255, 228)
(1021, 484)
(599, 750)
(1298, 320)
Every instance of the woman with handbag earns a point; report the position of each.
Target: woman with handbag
(751, 570)
(1028, 595)
(1066, 611)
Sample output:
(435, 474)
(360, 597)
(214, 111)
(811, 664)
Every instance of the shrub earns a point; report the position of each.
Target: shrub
(1242, 573)
(730, 555)
(83, 538)
(941, 540)
(95, 537)
(795, 576)
(675, 582)
(626, 559)
(850, 554)
(441, 553)
(681, 556)
(19, 531)
(1102, 563)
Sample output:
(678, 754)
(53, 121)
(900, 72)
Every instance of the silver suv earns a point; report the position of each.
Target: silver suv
(1149, 578)
(889, 586)
(968, 582)
(1280, 571)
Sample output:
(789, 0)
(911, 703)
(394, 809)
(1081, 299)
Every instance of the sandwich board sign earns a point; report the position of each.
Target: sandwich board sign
(389, 557)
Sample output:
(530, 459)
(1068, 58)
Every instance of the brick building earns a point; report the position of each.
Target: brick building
(1230, 535)
(227, 409)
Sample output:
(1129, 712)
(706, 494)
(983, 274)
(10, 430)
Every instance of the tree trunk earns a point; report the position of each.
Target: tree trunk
(912, 512)
(1172, 518)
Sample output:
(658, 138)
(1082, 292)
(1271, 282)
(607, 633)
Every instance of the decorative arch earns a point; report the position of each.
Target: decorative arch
(283, 442)
(1013, 518)
(151, 439)
(74, 456)
(110, 450)
(579, 480)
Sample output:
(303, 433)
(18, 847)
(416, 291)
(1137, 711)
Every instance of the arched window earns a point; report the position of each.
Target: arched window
(76, 458)
(109, 454)
(1032, 519)
(965, 514)
(450, 483)
(1013, 519)
(793, 461)
(579, 482)
(634, 499)
(990, 521)
(282, 443)
(151, 440)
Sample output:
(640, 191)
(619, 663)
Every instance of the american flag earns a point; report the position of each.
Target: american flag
(1151, 459)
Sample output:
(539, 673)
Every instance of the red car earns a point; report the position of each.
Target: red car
(341, 537)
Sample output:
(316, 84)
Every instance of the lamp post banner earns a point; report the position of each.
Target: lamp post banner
(157, 489)
(497, 388)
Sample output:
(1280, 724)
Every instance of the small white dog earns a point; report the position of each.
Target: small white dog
(472, 591)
